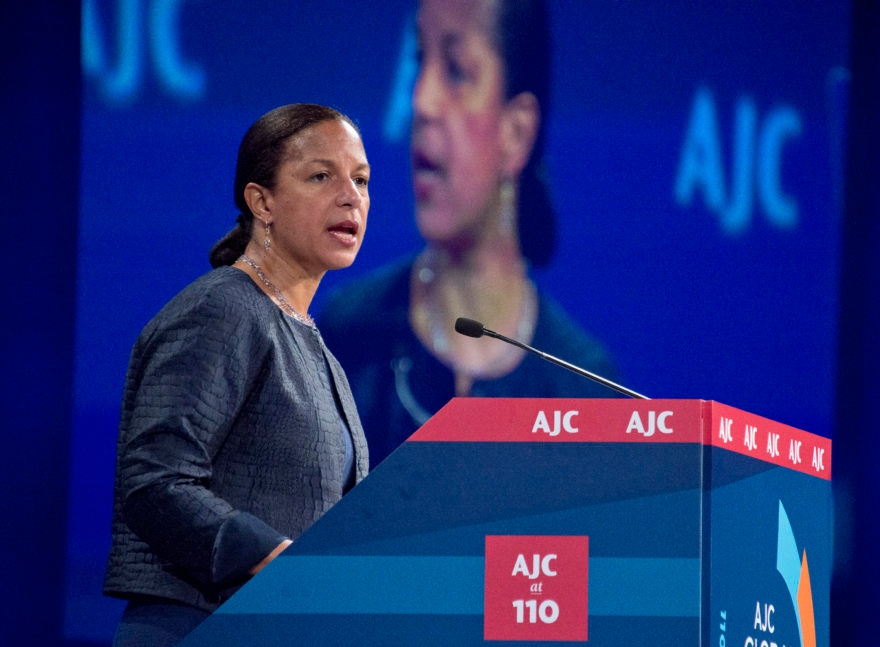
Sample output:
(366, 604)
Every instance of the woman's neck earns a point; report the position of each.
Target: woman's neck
(490, 285)
(295, 288)
(485, 283)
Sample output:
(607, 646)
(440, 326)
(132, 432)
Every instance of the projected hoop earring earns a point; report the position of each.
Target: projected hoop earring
(507, 198)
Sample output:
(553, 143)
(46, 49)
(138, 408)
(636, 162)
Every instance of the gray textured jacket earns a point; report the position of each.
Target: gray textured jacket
(230, 440)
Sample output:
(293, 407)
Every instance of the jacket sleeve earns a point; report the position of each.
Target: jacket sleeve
(190, 374)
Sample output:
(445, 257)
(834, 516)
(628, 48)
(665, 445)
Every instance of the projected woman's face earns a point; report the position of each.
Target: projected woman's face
(458, 103)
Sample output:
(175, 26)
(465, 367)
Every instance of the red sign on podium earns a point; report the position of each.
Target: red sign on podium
(536, 588)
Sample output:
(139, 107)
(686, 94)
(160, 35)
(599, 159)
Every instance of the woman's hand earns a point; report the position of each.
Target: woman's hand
(268, 558)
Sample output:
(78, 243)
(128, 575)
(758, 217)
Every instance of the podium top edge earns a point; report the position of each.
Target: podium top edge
(623, 420)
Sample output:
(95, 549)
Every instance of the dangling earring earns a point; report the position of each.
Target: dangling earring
(507, 200)
(266, 242)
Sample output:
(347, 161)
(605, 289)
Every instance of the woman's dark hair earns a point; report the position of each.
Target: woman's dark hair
(523, 40)
(263, 149)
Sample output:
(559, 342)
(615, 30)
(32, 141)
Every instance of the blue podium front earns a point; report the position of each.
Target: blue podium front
(588, 521)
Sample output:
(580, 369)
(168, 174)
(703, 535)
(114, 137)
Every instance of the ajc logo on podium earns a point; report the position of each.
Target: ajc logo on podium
(536, 588)
(795, 571)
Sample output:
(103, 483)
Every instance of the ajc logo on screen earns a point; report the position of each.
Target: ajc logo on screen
(536, 588)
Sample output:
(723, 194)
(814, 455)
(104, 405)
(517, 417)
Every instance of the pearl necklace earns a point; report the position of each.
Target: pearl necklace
(282, 301)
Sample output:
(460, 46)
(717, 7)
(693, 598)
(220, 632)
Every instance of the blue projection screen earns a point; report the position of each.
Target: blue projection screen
(695, 155)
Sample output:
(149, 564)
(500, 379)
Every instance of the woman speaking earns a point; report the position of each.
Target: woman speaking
(238, 427)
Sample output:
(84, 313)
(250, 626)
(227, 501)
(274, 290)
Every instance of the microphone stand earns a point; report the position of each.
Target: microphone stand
(471, 328)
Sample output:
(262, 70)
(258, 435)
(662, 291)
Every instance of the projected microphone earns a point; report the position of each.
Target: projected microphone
(471, 328)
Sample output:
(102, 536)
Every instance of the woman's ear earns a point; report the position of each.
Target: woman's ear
(519, 130)
(257, 199)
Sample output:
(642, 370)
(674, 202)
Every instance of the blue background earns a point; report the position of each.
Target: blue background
(112, 200)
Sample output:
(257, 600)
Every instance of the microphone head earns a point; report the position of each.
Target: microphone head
(469, 327)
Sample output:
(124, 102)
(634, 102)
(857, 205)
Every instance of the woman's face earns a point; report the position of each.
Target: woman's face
(458, 103)
(319, 205)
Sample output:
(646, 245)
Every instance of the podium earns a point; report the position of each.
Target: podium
(580, 521)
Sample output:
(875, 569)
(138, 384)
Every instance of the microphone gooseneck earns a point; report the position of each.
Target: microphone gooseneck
(471, 328)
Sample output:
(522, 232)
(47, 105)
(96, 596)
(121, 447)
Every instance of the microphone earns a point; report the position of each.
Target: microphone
(471, 328)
